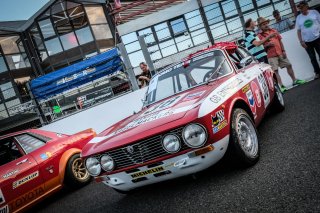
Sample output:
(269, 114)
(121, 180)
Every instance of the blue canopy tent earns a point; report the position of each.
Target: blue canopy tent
(76, 75)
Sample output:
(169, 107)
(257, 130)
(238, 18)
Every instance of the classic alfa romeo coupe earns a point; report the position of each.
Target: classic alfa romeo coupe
(194, 113)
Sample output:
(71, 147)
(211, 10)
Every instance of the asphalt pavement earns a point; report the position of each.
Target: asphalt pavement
(286, 179)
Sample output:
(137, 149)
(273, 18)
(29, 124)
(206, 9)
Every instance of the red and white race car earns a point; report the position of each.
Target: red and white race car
(36, 163)
(194, 112)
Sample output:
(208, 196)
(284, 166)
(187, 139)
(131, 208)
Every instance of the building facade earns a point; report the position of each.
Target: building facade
(60, 34)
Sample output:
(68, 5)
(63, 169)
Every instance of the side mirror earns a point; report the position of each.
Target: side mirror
(246, 61)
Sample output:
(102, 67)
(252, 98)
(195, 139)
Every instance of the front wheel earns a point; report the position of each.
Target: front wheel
(243, 144)
(76, 174)
(278, 101)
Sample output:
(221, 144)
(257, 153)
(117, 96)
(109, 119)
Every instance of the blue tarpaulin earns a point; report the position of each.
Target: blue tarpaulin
(76, 75)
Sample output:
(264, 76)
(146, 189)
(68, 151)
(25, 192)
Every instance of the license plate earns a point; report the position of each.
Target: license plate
(147, 172)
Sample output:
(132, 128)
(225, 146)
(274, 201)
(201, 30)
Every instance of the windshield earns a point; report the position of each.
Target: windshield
(197, 71)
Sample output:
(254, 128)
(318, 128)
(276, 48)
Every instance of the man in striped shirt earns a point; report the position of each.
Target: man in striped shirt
(253, 43)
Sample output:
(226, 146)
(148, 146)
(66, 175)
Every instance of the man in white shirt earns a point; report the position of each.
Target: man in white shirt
(308, 26)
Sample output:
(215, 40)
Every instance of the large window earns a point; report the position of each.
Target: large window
(46, 28)
(68, 31)
(98, 22)
(84, 35)
(53, 46)
(224, 18)
(69, 41)
(3, 66)
(14, 53)
(167, 38)
(7, 90)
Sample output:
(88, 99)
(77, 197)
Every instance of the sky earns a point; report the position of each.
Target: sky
(13, 10)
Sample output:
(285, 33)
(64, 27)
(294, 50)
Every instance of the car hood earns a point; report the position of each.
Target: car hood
(143, 124)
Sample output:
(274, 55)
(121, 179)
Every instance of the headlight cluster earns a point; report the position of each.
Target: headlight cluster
(94, 166)
(171, 143)
(194, 136)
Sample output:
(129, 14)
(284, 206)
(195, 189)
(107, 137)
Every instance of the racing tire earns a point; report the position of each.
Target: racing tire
(76, 175)
(243, 149)
(278, 101)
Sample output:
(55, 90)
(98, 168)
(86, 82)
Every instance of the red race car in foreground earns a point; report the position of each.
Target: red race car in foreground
(36, 163)
(194, 112)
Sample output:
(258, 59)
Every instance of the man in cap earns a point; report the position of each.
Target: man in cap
(282, 24)
(276, 53)
(253, 43)
(308, 25)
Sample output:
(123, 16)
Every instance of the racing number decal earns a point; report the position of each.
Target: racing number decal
(264, 89)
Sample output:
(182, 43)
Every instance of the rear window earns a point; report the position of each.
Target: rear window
(29, 143)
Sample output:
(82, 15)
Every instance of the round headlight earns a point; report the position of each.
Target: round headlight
(93, 166)
(107, 163)
(194, 135)
(171, 143)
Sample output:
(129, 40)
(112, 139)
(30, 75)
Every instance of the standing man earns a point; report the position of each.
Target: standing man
(276, 53)
(281, 24)
(145, 76)
(253, 43)
(308, 25)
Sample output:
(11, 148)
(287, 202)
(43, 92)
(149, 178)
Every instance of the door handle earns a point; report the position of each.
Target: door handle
(23, 161)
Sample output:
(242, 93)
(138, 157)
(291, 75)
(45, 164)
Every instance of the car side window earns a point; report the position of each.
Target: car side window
(29, 143)
(8, 151)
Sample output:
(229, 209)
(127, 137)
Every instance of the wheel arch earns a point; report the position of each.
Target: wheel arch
(240, 103)
(64, 160)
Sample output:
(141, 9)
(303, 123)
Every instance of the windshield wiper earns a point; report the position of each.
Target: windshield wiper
(218, 69)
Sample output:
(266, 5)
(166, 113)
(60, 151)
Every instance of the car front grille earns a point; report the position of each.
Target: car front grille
(142, 151)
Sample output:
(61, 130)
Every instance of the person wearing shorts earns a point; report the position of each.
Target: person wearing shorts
(276, 53)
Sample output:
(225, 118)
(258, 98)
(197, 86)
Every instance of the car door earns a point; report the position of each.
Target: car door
(20, 182)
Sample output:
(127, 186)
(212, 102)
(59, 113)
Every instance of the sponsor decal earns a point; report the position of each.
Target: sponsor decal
(147, 172)
(245, 88)
(193, 96)
(75, 76)
(256, 93)
(26, 198)
(4, 209)
(9, 174)
(251, 102)
(24, 180)
(215, 99)
(230, 88)
(45, 156)
(218, 121)
(2, 200)
(238, 82)
(264, 89)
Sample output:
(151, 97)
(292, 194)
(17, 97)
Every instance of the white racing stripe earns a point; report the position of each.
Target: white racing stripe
(228, 89)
